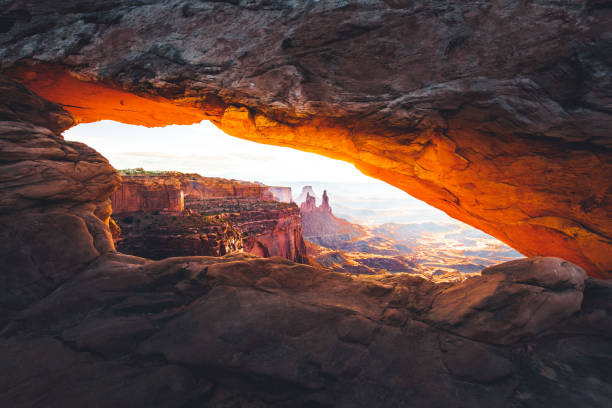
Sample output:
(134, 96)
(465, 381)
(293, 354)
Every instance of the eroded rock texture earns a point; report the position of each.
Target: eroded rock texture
(166, 214)
(148, 194)
(252, 332)
(498, 113)
(54, 200)
(82, 325)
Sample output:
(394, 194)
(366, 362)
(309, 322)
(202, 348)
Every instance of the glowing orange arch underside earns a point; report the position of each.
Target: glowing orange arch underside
(92, 102)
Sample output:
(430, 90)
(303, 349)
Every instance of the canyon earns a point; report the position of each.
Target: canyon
(497, 113)
(438, 251)
(168, 214)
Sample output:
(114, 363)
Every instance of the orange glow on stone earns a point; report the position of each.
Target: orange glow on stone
(94, 101)
(511, 188)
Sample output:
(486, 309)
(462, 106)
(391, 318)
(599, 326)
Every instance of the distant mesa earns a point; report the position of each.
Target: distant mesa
(166, 214)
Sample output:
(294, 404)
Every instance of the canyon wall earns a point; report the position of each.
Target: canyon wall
(197, 186)
(166, 214)
(148, 194)
(498, 113)
(165, 191)
(268, 228)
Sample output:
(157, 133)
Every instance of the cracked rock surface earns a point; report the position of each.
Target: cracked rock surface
(252, 332)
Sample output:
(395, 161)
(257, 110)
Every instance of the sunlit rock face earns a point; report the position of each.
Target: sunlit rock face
(148, 194)
(498, 114)
(168, 214)
(165, 191)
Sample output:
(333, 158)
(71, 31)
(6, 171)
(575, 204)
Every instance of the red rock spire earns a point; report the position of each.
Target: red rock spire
(309, 205)
(325, 204)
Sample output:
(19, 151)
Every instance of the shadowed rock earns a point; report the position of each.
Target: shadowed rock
(267, 332)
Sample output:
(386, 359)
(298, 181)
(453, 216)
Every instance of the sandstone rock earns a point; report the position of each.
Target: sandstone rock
(267, 332)
(198, 187)
(54, 206)
(165, 191)
(215, 227)
(148, 194)
(309, 204)
(515, 144)
(306, 191)
(324, 228)
(473, 116)
(221, 216)
(511, 300)
(325, 203)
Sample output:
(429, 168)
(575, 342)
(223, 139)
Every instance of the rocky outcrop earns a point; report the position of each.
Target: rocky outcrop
(149, 191)
(254, 332)
(82, 325)
(222, 216)
(159, 236)
(325, 203)
(282, 194)
(268, 228)
(198, 187)
(307, 191)
(309, 204)
(473, 115)
(54, 206)
(322, 227)
(195, 186)
(215, 227)
(148, 194)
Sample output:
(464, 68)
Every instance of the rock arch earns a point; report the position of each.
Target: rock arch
(499, 116)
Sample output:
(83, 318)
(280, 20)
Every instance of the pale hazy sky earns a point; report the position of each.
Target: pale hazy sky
(204, 149)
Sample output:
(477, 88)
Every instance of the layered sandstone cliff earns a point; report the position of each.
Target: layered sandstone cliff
(216, 216)
(194, 185)
(148, 194)
(268, 228)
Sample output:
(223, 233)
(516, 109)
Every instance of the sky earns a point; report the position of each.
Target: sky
(204, 149)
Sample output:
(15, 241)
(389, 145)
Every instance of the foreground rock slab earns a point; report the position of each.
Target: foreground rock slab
(252, 332)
